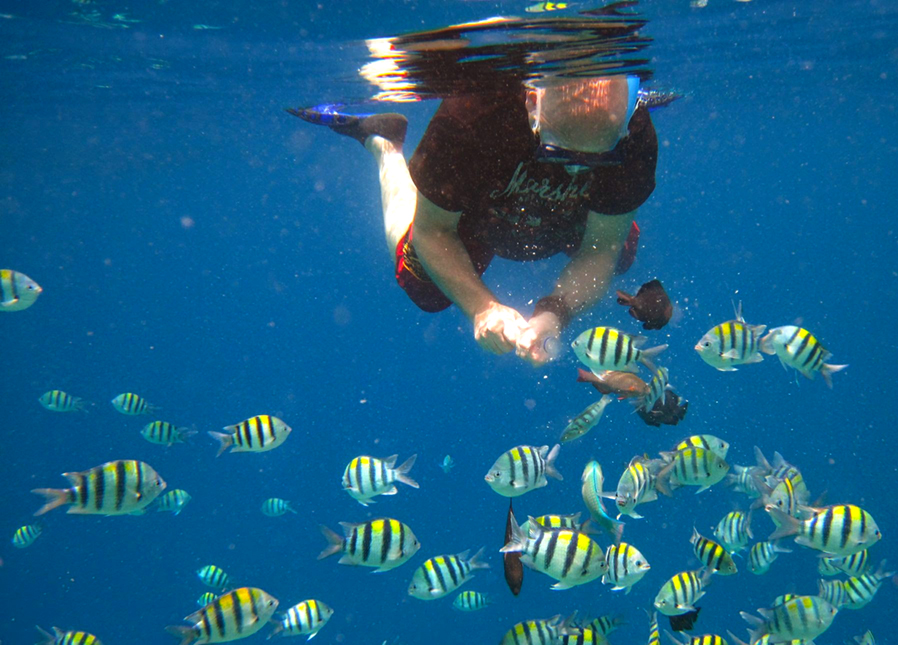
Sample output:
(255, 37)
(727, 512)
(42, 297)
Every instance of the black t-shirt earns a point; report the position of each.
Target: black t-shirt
(478, 157)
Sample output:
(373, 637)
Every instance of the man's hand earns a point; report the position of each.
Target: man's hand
(531, 344)
(498, 328)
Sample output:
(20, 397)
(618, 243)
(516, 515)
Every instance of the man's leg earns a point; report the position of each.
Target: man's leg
(398, 194)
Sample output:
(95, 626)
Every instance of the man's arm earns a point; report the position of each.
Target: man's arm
(441, 251)
(583, 281)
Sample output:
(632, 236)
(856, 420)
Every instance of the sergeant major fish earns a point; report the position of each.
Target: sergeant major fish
(571, 557)
(712, 555)
(692, 467)
(367, 477)
(606, 348)
(115, 488)
(164, 433)
(523, 469)
(173, 501)
(59, 401)
(256, 434)
(213, 576)
(26, 535)
(637, 486)
(762, 555)
(59, 637)
(471, 601)
(804, 617)
(799, 349)
(237, 614)
(444, 574)
(734, 531)
(382, 543)
(679, 594)
(303, 619)
(17, 290)
(133, 405)
(275, 507)
(731, 343)
(839, 530)
(626, 566)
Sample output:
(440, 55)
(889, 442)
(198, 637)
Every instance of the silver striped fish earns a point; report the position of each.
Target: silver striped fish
(383, 543)
(444, 574)
(303, 619)
(704, 639)
(569, 556)
(523, 469)
(471, 601)
(17, 290)
(732, 343)
(626, 566)
(256, 434)
(133, 405)
(692, 467)
(173, 501)
(856, 564)
(275, 507)
(861, 589)
(712, 555)
(706, 441)
(804, 617)
(607, 348)
(839, 530)
(59, 637)
(26, 535)
(832, 591)
(799, 349)
(657, 386)
(734, 531)
(582, 636)
(606, 624)
(636, 486)
(115, 488)
(679, 594)
(762, 555)
(367, 477)
(59, 401)
(534, 632)
(654, 632)
(214, 576)
(235, 615)
(164, 433)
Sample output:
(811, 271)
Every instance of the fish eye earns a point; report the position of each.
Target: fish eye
(497, 473)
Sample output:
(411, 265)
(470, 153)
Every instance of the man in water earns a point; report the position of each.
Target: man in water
(523, 175)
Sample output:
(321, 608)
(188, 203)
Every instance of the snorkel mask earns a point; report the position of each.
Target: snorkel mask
(552, 151)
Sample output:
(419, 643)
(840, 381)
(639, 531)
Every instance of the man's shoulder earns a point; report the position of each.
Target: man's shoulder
(479, 110)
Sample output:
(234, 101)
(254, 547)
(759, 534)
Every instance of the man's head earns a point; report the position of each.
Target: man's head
(584, 115)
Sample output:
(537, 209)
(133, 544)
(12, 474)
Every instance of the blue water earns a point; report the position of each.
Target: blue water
(200, 247)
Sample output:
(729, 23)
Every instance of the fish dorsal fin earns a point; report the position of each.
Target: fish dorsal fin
(737, 309)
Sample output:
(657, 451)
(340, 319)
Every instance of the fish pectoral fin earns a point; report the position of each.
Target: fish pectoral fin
(6, 303)
(727, 369)
(730, 354)
(390, 491)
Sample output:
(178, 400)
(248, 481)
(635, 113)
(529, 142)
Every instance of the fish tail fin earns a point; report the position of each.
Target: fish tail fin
(184, 434)
(518, 538)
(290, 509)
(649, 354)
(56, 497)
(335, 543)
(827, 370)
(550, 462)
(187, 634)
(402, 472)
(758, 629)
(278, 628)
(762, 462)
(475, 563)
(765, 344)
(225, 439)
(49, 639)
(788, 525)
(624, 298)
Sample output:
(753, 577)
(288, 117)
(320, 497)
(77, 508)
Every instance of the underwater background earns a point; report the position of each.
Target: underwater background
(199, 246)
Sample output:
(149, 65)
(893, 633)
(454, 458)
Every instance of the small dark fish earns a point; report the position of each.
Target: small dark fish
(650, 305)
(669, 411)
(684, 622)
(625, 385)
(514, 569)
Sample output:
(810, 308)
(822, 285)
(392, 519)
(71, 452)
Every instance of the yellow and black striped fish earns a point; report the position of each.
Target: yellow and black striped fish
(540, 7)
(582, 636)
(679, 594)
(533, 632)
(303, 619)
(205, 599)
(26, 535)
(707, 441)
(607, 348)
(606, 624)
(523, 469)
(732, 343)
(692, 467)
(569, 556)
(734, 531)
(164, 433)
(654, 633)
(59, 637)
(235, 615)
(132, 404)
(59, 401)
(861, 589)
(626, 566)
(704, 639)
(471, 601)
(799, 349)
(855, 564)
(762, 555)
(17, 290)
(213, 576)
(173, 501)
(712, 555)
(444, 574)
(636, 486)
(367, 477)
(383, 543)
(115, 488)
(256, 434)
(839, 530)
(804, 617)
(275, 507)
